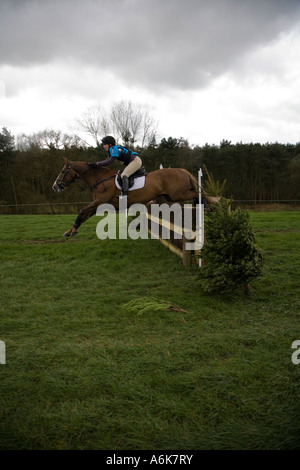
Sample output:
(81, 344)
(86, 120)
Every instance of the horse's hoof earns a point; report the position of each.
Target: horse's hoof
(74, 233)
(66, 234)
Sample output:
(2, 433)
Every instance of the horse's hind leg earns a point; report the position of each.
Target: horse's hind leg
(83, 215)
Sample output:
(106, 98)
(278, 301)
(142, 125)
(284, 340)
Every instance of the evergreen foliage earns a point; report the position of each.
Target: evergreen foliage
(7, 143)
(230, 253)
(211, 186)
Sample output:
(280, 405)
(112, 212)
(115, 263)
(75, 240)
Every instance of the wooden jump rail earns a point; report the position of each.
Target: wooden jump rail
(180, 241)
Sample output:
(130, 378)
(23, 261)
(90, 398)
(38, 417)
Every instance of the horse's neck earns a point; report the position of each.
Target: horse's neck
(90, 175)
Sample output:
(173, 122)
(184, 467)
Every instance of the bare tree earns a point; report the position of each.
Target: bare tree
(94, 122)
(120, 118)
(133, 122)
(48, 138)
(149, 130)
(127, 121)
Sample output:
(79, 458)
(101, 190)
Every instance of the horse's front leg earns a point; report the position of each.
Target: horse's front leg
(83, 215)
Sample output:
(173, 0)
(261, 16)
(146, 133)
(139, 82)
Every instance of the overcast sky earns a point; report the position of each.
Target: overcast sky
(209, 70)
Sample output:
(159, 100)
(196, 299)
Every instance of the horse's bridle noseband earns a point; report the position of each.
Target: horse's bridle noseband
(62, 184)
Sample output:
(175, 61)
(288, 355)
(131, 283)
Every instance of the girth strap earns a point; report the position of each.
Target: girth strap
(101, 181)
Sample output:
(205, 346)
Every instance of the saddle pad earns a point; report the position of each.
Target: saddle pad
(139, 183)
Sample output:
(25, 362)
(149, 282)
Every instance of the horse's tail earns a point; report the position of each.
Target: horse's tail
(206, 200)
(194, 186)
(194, 183)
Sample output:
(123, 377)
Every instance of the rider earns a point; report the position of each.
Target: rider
(130, 159)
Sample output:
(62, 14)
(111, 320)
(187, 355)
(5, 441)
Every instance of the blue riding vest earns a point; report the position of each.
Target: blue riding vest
(122, 153)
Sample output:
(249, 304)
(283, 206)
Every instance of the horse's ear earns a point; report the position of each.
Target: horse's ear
(66, 161)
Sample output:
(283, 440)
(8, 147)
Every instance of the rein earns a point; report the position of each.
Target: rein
(101, 181)
(97, 182)
(62, 184)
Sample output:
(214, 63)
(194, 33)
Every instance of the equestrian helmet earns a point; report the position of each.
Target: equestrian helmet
(108, 140)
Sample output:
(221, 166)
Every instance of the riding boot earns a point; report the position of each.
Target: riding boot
(124, 185)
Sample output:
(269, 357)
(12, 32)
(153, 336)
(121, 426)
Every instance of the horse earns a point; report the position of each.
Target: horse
(170, 184)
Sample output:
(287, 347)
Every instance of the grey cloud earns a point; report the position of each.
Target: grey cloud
(153, 43)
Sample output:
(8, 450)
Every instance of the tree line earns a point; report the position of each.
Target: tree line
(253, 171)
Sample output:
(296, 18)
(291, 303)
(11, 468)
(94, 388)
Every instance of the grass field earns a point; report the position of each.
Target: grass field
(111, 344)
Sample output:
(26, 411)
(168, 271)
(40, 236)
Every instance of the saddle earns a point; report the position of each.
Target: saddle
(140, 172)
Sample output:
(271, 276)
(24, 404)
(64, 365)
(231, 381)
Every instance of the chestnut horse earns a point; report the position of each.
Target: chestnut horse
(174, 184)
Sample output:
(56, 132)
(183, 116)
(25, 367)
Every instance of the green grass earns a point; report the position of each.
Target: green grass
(111, 344)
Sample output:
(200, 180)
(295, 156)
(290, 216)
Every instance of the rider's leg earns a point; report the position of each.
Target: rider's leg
(128, 171)
(124, 185)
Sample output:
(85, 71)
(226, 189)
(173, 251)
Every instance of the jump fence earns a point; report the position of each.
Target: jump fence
(179, 240)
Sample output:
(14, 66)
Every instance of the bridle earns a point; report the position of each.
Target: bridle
(61, 183)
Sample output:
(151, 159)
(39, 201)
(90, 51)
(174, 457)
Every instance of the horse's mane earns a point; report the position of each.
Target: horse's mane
(83, 167)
